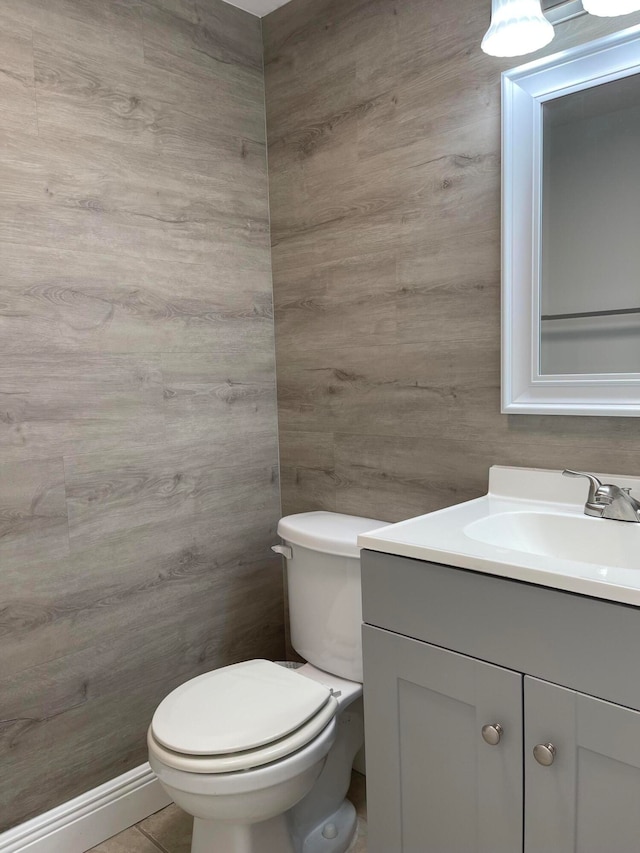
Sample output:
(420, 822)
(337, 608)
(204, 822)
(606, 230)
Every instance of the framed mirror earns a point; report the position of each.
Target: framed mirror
(571, 231)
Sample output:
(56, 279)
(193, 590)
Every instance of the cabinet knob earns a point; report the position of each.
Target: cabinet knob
(492, 734)
(544, 753)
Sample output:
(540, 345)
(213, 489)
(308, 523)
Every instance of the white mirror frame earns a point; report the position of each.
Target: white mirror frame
(524, 91)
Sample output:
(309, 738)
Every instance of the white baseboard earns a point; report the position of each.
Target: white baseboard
(88, 820)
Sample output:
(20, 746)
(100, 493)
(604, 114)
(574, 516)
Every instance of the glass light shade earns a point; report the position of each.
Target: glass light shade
(611, 8)
(517, 27)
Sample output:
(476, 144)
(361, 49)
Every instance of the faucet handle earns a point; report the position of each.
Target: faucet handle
(594, 482)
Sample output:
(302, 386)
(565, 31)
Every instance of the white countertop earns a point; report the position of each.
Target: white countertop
(546, 542)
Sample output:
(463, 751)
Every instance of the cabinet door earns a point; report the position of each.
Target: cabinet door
(433, 784)
(588, 799)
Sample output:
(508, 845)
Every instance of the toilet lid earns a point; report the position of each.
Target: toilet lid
(320, 726)
(236, 708)
(327, 532)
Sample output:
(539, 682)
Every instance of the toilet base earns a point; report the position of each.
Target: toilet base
(335, 834)
(269, 836)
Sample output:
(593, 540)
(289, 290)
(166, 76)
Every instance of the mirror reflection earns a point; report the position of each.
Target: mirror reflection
(590, 273)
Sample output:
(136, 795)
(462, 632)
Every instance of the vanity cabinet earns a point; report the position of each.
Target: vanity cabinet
(588, 799)
(449, 653)
(434, 784)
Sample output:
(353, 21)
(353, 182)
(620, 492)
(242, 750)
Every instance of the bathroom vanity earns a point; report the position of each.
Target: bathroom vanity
(502, 686)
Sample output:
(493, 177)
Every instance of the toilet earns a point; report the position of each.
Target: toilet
(258, 752)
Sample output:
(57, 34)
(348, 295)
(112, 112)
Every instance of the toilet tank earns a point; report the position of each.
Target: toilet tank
(324, 590)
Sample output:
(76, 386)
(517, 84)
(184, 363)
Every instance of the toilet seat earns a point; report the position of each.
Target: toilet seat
(239, 717)
(252, 758)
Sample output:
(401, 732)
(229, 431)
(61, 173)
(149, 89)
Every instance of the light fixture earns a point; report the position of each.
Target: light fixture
(611, 8)
(518, 27)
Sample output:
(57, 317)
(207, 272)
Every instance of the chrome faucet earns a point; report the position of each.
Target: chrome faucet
(608, 500)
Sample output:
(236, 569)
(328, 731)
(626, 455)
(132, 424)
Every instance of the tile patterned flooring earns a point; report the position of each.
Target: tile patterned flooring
(169, 830)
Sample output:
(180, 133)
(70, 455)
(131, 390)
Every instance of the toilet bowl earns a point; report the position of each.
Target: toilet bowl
(260, 754)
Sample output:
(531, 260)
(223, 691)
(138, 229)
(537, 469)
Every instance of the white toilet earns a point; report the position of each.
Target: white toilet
(261, 754)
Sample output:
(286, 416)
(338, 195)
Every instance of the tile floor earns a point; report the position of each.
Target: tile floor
(169, 831)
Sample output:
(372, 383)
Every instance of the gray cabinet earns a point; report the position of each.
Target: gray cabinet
(434, 784)
(588, 800)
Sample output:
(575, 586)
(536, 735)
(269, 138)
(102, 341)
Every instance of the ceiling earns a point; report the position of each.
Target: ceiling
(258, 7)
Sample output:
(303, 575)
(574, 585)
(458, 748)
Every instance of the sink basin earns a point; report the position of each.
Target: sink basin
(515, 531)
(561, 536)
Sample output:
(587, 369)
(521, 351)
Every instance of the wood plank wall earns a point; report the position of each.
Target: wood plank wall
(383, 121)
(138, 447)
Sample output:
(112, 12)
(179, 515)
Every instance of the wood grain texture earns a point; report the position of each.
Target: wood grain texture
(53, 607)
(219, 399)
(148, 105)
(33, 513)
(398, 477)
(99, 196)
(17, 91)
(111, 493)
(308, 471)
(55, 405)
(139, 491)
(61, 301)
(383, 121)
